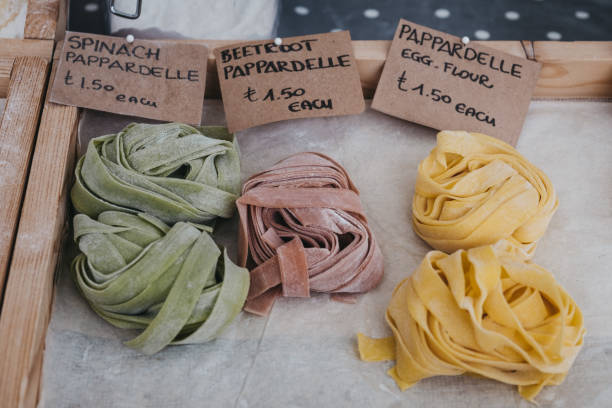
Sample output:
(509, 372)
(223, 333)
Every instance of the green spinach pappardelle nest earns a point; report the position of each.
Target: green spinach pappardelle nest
(147, 197)
(138, 273)
(172, 171)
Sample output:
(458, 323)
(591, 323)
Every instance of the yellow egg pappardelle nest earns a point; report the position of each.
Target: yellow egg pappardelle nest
(474, 190)
(482, 311)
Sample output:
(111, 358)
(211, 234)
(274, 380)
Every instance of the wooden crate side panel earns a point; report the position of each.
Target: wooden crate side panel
(574, 70)
(17, 134)
(29, 289)
(370, 56)
(41, 19)
(6, 65)
(11, 48)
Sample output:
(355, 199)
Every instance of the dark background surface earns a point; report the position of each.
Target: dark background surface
(536, 19)
(567, 20)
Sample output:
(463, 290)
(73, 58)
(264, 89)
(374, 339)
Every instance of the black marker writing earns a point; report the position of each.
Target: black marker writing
(310, 105)
(132, 67)
(236, 53)
(95, 85)
(437, 95)
(269, 67)
(473, 112)
(77, 42)
(454, 70)
(401, 80)
(459, 50)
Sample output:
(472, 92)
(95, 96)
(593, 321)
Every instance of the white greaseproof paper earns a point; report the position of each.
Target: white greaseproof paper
(304, 354)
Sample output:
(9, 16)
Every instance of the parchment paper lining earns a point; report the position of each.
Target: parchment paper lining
(304, 353)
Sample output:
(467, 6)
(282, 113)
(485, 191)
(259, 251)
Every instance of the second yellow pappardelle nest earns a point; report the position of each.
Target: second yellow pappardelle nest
(483, 311)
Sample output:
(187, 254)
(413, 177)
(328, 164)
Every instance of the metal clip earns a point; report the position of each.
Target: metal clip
(131, 16)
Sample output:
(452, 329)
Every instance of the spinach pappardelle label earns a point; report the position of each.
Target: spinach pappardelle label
(161, 80)
(436, 80)
(308, 76)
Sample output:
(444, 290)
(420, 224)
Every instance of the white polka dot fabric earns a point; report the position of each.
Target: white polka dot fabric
(553, 20)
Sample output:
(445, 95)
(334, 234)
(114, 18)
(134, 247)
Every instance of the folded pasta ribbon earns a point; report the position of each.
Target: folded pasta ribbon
(474, 190)
(172, 171)
(303, 225)
(483, 311)
(172, 283)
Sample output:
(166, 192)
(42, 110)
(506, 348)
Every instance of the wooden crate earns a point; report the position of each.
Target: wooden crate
(23, 76)
(23, 79)
(570, 70)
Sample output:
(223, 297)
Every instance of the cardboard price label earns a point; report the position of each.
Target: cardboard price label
(433, 79)
(150, 79)
(308, 76)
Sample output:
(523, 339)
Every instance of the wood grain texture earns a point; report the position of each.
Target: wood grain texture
(17, 134)
(41, 19)
(29, 289)
(574, 69)
(12, 48)
(6, 65)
